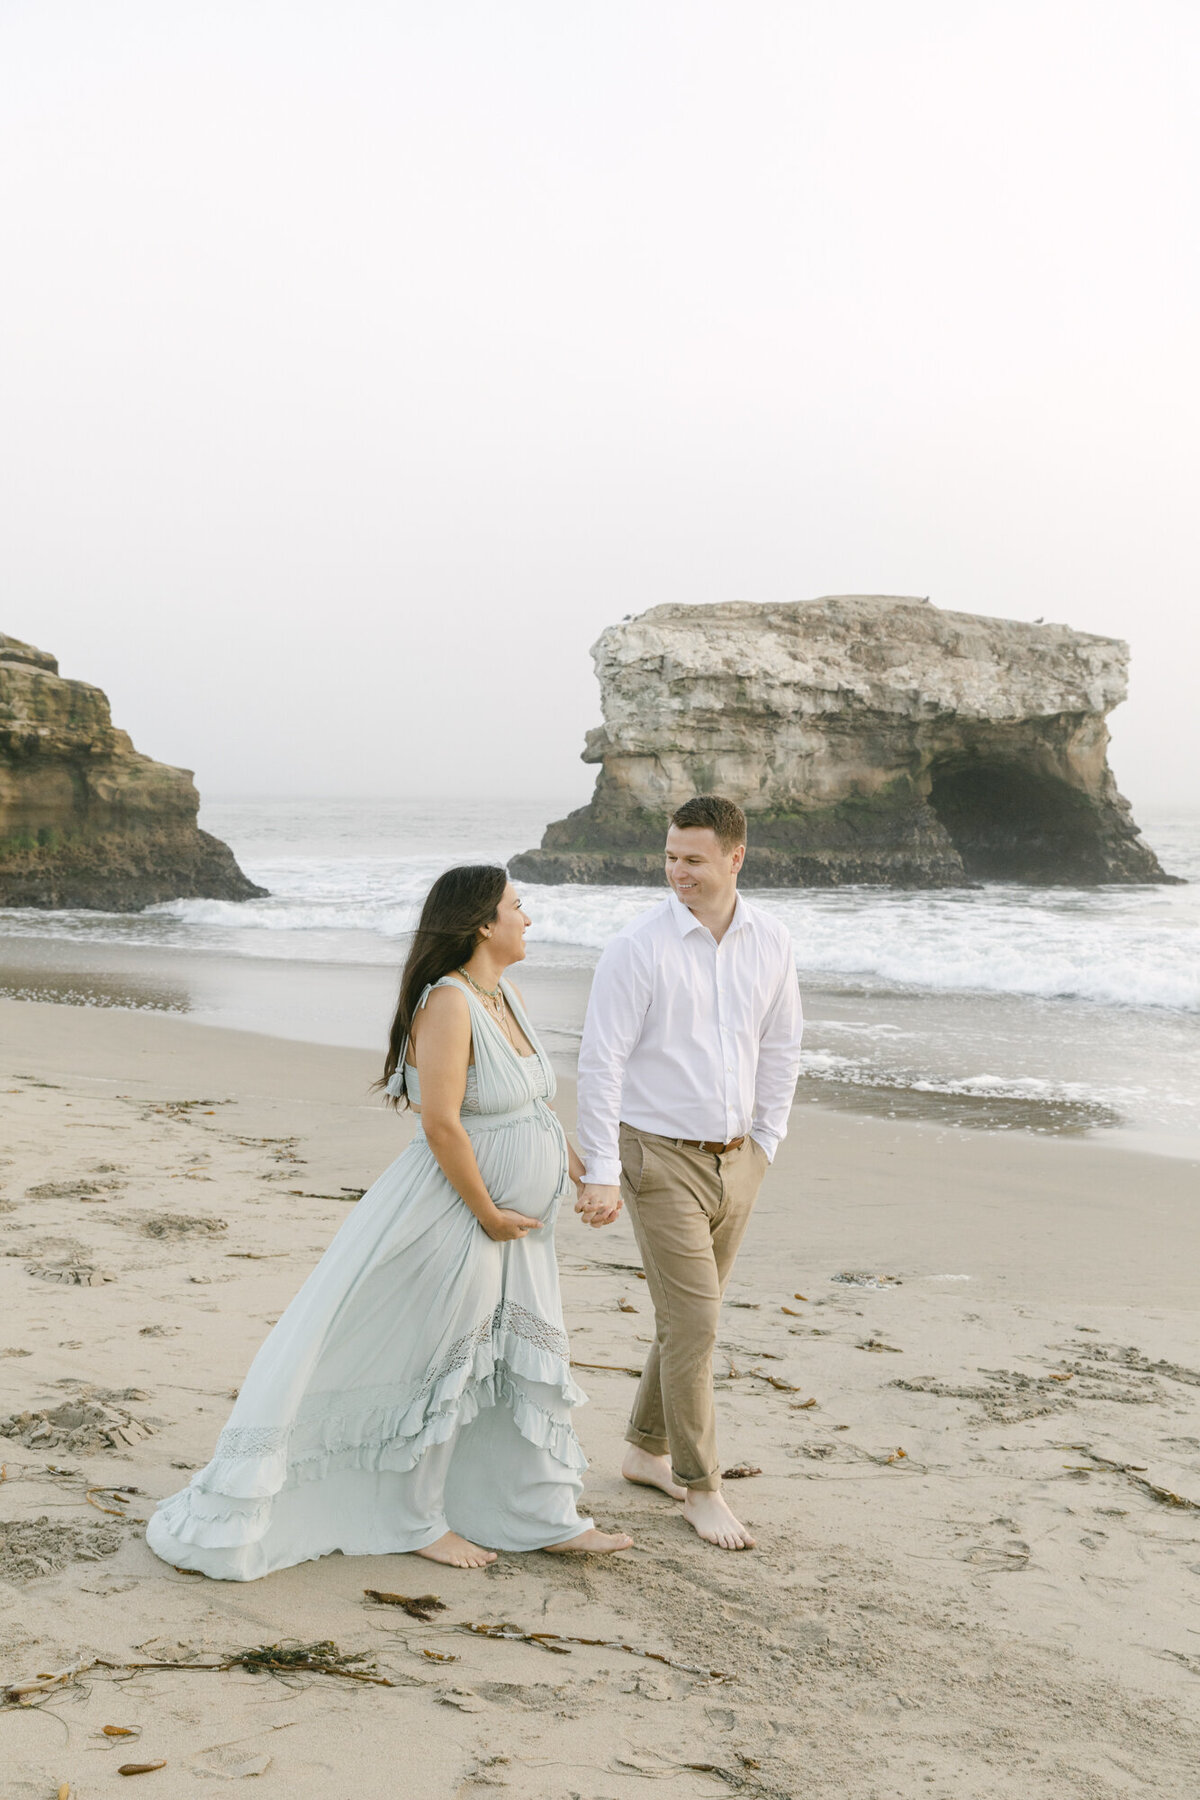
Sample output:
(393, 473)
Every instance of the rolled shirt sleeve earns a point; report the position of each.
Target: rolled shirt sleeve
(617, 1007)
(778, 1061)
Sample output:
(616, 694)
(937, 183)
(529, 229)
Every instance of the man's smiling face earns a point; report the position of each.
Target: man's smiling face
(698, 870)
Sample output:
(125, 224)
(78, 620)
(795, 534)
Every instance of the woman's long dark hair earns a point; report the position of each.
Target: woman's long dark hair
(457, 904)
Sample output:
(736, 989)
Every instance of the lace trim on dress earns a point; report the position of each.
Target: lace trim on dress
(251, 1440)
(509, 1317)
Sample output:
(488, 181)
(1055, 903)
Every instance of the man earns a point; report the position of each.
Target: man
(687, 1069)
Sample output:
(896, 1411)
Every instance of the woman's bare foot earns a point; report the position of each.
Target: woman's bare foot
(709, 1516)
(645, 1470)
(459, 1552)
(595, 1542)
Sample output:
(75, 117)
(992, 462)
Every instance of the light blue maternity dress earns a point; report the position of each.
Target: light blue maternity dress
(420, 1380)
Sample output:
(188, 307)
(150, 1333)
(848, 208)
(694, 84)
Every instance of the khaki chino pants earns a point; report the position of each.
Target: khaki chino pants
(690, 1211)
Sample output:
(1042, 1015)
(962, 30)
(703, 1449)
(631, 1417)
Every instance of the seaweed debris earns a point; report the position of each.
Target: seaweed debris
(320, 1658)
(556, 1643)
(609, 1368)
(1135, 1471)
(417, 1606)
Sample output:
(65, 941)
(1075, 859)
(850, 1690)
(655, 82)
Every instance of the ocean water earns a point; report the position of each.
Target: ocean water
(1000, 1006)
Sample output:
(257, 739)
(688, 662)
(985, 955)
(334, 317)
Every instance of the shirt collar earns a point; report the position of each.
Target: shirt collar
(686, 920)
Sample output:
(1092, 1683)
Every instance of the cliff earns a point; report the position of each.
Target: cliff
(84, 819)
(869, 739)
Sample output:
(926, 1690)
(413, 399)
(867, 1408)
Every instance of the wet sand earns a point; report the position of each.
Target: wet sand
(934, 1039)
(977, 1559)
(343, 1003)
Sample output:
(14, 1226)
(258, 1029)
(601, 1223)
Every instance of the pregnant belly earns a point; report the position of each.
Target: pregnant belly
(523, 1167)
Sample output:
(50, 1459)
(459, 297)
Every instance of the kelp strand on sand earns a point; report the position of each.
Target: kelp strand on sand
(24, 1693)
(609, 1368)
(1135, 1471)
(423, 1607)
(742, 1780)
(776, 1381)
(320, 1658)
(555, 1642)
(110, 1493)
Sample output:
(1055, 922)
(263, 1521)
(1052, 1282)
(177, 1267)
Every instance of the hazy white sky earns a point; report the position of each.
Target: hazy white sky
(359, 362)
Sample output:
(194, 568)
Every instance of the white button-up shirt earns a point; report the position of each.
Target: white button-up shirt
(688, 1037)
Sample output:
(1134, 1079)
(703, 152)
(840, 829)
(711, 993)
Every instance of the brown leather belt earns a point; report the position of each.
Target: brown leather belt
(709, 1145)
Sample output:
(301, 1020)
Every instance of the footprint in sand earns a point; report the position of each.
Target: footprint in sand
(462, 1699)
(86, 1189)
(70, 1274)
(82, 1426)
(33, 1547)
(178, 1225)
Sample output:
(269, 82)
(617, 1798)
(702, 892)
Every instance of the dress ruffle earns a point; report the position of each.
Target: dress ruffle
(228, 1503)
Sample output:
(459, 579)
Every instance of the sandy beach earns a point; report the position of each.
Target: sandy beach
(456, 438)
(965, 1365)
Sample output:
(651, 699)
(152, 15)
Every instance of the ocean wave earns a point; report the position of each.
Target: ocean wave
(848, 1071)
(1116, 947)
(1137, 952)
(1105, 974)
(1125, 947)
(851, 1028)
(260, 915)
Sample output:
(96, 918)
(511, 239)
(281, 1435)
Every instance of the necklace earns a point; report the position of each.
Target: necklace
(494, 998)
(488, 993)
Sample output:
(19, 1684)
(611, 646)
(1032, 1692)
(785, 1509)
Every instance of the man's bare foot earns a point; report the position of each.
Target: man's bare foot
(709, 1516)
(595, 1542)
(645, 1470)
(459, 1552)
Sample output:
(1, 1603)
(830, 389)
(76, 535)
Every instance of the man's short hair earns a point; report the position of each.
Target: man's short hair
(709, 812)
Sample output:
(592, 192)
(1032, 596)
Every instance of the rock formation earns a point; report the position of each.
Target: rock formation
(869, 739)
(85, 820)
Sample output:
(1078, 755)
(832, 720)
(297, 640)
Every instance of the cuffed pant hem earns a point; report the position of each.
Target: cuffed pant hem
(654, 1446)
(702, 1484)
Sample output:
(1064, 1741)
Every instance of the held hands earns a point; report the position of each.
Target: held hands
(598, 1205)
(504, 1225)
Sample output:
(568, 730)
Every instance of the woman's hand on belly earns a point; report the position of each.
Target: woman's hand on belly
(504, 1225)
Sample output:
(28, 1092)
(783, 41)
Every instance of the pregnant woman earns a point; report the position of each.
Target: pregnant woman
(416, 1394)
